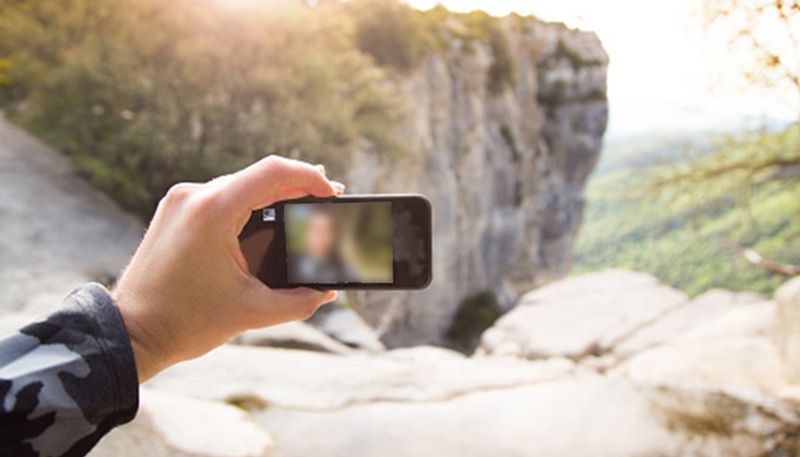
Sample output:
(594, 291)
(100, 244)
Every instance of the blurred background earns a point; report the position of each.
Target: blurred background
(616, 194)
(327, 243)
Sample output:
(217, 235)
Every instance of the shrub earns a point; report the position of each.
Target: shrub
(576, 60)
(475, 314)
(144, 93)
(5, 72)
(482, 27)
(552, 99)
(391, 32)
(501, 73)
(508, 138)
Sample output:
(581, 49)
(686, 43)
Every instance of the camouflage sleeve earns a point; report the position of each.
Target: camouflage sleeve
(67, 380)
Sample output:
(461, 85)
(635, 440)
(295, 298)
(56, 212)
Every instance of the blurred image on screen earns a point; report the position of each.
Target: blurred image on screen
(330, 243)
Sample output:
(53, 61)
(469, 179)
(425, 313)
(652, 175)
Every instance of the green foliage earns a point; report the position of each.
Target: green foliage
(391, 32)
(502, 71)
(508, 138)
(689, 235)
(552, 99)
(575, 59)
(144, 93)
(480, 26)
(399, 37)
(597, 95)
(475, 314)
(5, 72)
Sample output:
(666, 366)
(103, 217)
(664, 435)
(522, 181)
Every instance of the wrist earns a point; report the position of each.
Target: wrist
(147, 351)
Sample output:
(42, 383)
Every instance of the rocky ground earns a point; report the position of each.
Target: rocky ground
(57, 231)
(606, 364)
(611, 363)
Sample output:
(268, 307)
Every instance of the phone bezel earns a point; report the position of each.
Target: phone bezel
(273, 269)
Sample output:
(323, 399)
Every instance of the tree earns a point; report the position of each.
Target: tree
(144, 93)
(767, 33)
(767, 30)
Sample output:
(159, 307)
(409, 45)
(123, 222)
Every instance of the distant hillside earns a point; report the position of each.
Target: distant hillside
(689, 238)
(650, 149)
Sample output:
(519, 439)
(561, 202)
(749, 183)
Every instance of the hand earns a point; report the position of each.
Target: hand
(188, 289)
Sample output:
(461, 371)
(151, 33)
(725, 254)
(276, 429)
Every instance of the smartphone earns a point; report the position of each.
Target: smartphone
(378, 241)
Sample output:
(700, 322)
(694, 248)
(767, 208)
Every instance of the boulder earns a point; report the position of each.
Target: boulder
(580, 316)
(704, 308)
(584, 415)
(745, 321)
(724, 361)
(292, 335)
(424, 354)
(174, 426)
(346, 326)
(695, 398)
(317, 381)
(786, 333)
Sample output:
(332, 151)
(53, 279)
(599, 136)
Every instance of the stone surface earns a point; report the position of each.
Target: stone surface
(697, 312)
(424, 354)
(786, 333)
(746, 321)
(584, 415)
(57, 231)
(433, 402)
(174, 426)
(729, 361)
(292, 335)
(346, 326)
(580, 316)
(529, 148)
(316, 381)
(698, 378)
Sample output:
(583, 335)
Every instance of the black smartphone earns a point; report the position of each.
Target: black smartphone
(378, 241)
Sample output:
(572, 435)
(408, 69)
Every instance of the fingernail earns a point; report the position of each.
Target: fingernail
(330, 296)
(321, 168)
(339, 187)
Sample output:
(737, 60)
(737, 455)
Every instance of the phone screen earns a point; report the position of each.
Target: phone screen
(329, 243)
(381, 241)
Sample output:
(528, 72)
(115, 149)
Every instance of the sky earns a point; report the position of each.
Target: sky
(665, 72)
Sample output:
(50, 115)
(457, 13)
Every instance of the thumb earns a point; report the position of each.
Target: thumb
(278, 306)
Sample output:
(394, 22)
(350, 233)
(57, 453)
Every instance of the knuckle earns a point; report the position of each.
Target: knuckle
(272, 161)
(204, 203)
(178, 193)
(278, 163)
(308, 310)
(195, 199)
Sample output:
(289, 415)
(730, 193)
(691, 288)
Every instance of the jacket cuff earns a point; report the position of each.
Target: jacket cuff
(117, 352)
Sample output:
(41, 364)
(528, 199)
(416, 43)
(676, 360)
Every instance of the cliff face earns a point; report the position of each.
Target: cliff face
(505, 169)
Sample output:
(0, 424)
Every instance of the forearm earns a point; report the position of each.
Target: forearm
(67, 380)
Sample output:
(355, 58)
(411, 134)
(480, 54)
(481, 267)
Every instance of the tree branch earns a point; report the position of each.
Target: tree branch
(770, 265)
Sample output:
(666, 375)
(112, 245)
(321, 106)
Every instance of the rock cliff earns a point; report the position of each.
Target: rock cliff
(504, 165)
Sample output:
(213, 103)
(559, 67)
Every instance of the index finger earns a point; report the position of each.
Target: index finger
(266, 181)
